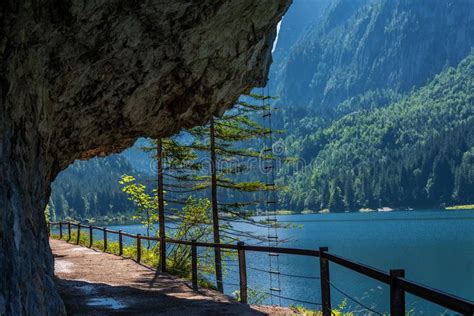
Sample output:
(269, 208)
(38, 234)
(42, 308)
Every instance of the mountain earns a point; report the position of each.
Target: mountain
(302, 16)
(357, 58)
(370, 97)
(418, 152)
(384, 46)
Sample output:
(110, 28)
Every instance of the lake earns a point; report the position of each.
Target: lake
(435, 247)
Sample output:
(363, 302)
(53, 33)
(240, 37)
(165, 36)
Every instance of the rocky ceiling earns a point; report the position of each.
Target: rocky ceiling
(87, 77)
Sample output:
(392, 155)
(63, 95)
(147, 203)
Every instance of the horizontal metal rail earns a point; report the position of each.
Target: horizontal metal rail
(366, 270)
(399, 283)
(436, 296)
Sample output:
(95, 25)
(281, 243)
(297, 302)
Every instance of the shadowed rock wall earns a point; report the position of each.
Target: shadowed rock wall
(84, 78)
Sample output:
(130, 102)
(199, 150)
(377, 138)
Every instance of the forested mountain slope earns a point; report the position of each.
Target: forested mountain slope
(418, 152)
(359, 57)
(90, 189)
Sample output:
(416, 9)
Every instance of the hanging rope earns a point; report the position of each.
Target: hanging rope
(270, 207)
(287, 275)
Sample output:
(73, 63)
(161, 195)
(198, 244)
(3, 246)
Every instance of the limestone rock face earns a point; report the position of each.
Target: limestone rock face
(87, 77)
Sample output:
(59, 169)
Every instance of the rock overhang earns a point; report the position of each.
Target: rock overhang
(85, 78)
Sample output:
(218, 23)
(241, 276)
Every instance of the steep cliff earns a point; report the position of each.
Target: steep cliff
(86, 78)
(367, 45)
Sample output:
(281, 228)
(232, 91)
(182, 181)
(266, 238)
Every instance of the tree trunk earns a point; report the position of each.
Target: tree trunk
(161, 203)
(215, 209)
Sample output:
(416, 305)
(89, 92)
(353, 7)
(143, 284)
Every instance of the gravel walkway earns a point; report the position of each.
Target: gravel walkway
(96, 283)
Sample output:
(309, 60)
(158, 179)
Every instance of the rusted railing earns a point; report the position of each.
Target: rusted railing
(395, 278)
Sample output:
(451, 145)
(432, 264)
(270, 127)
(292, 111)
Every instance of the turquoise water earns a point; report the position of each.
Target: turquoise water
(436, 248)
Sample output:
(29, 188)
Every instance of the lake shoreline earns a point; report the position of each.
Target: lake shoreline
(453, 209)
(367, 210)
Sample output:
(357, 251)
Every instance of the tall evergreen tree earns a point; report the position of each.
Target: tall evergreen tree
(229, 142)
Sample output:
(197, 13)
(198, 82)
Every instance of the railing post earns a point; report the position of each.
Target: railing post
(163, 253)
(242, 272)
(397, 295)
(120, 243)
(105, 239)
(194, 265)
(325, 285)
(68, 231)
(91, 236)
(139, 248)
(60, 230)
(78, 233)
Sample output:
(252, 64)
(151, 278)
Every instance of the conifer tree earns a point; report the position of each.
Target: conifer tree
(229, 145)
(228, 141)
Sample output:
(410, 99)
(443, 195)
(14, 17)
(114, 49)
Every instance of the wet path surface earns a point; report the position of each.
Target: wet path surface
(93, 282)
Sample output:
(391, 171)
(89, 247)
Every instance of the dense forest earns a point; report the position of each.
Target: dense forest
(418, 152)
(358, 108)
(375, 97)
(89, 189)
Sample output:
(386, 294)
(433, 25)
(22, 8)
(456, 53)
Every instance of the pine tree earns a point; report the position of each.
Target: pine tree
(182, 176)
(336, 203)
(348, 193)
(230, 158)
(176, 179)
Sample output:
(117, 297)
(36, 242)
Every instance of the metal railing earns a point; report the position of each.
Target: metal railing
(399, 285)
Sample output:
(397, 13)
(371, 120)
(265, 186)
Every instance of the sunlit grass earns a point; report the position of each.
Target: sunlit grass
(340, 310)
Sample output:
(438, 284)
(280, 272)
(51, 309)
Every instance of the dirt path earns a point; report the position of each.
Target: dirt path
(93, 282)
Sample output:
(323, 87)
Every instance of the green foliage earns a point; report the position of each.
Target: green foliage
(340, 310)
(238, 134)
(254, 297)
(194, 224)
(335, 199)
(146, 203)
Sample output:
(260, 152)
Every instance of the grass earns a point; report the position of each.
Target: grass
(309, 312)
(461, 207)
(338, 311)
